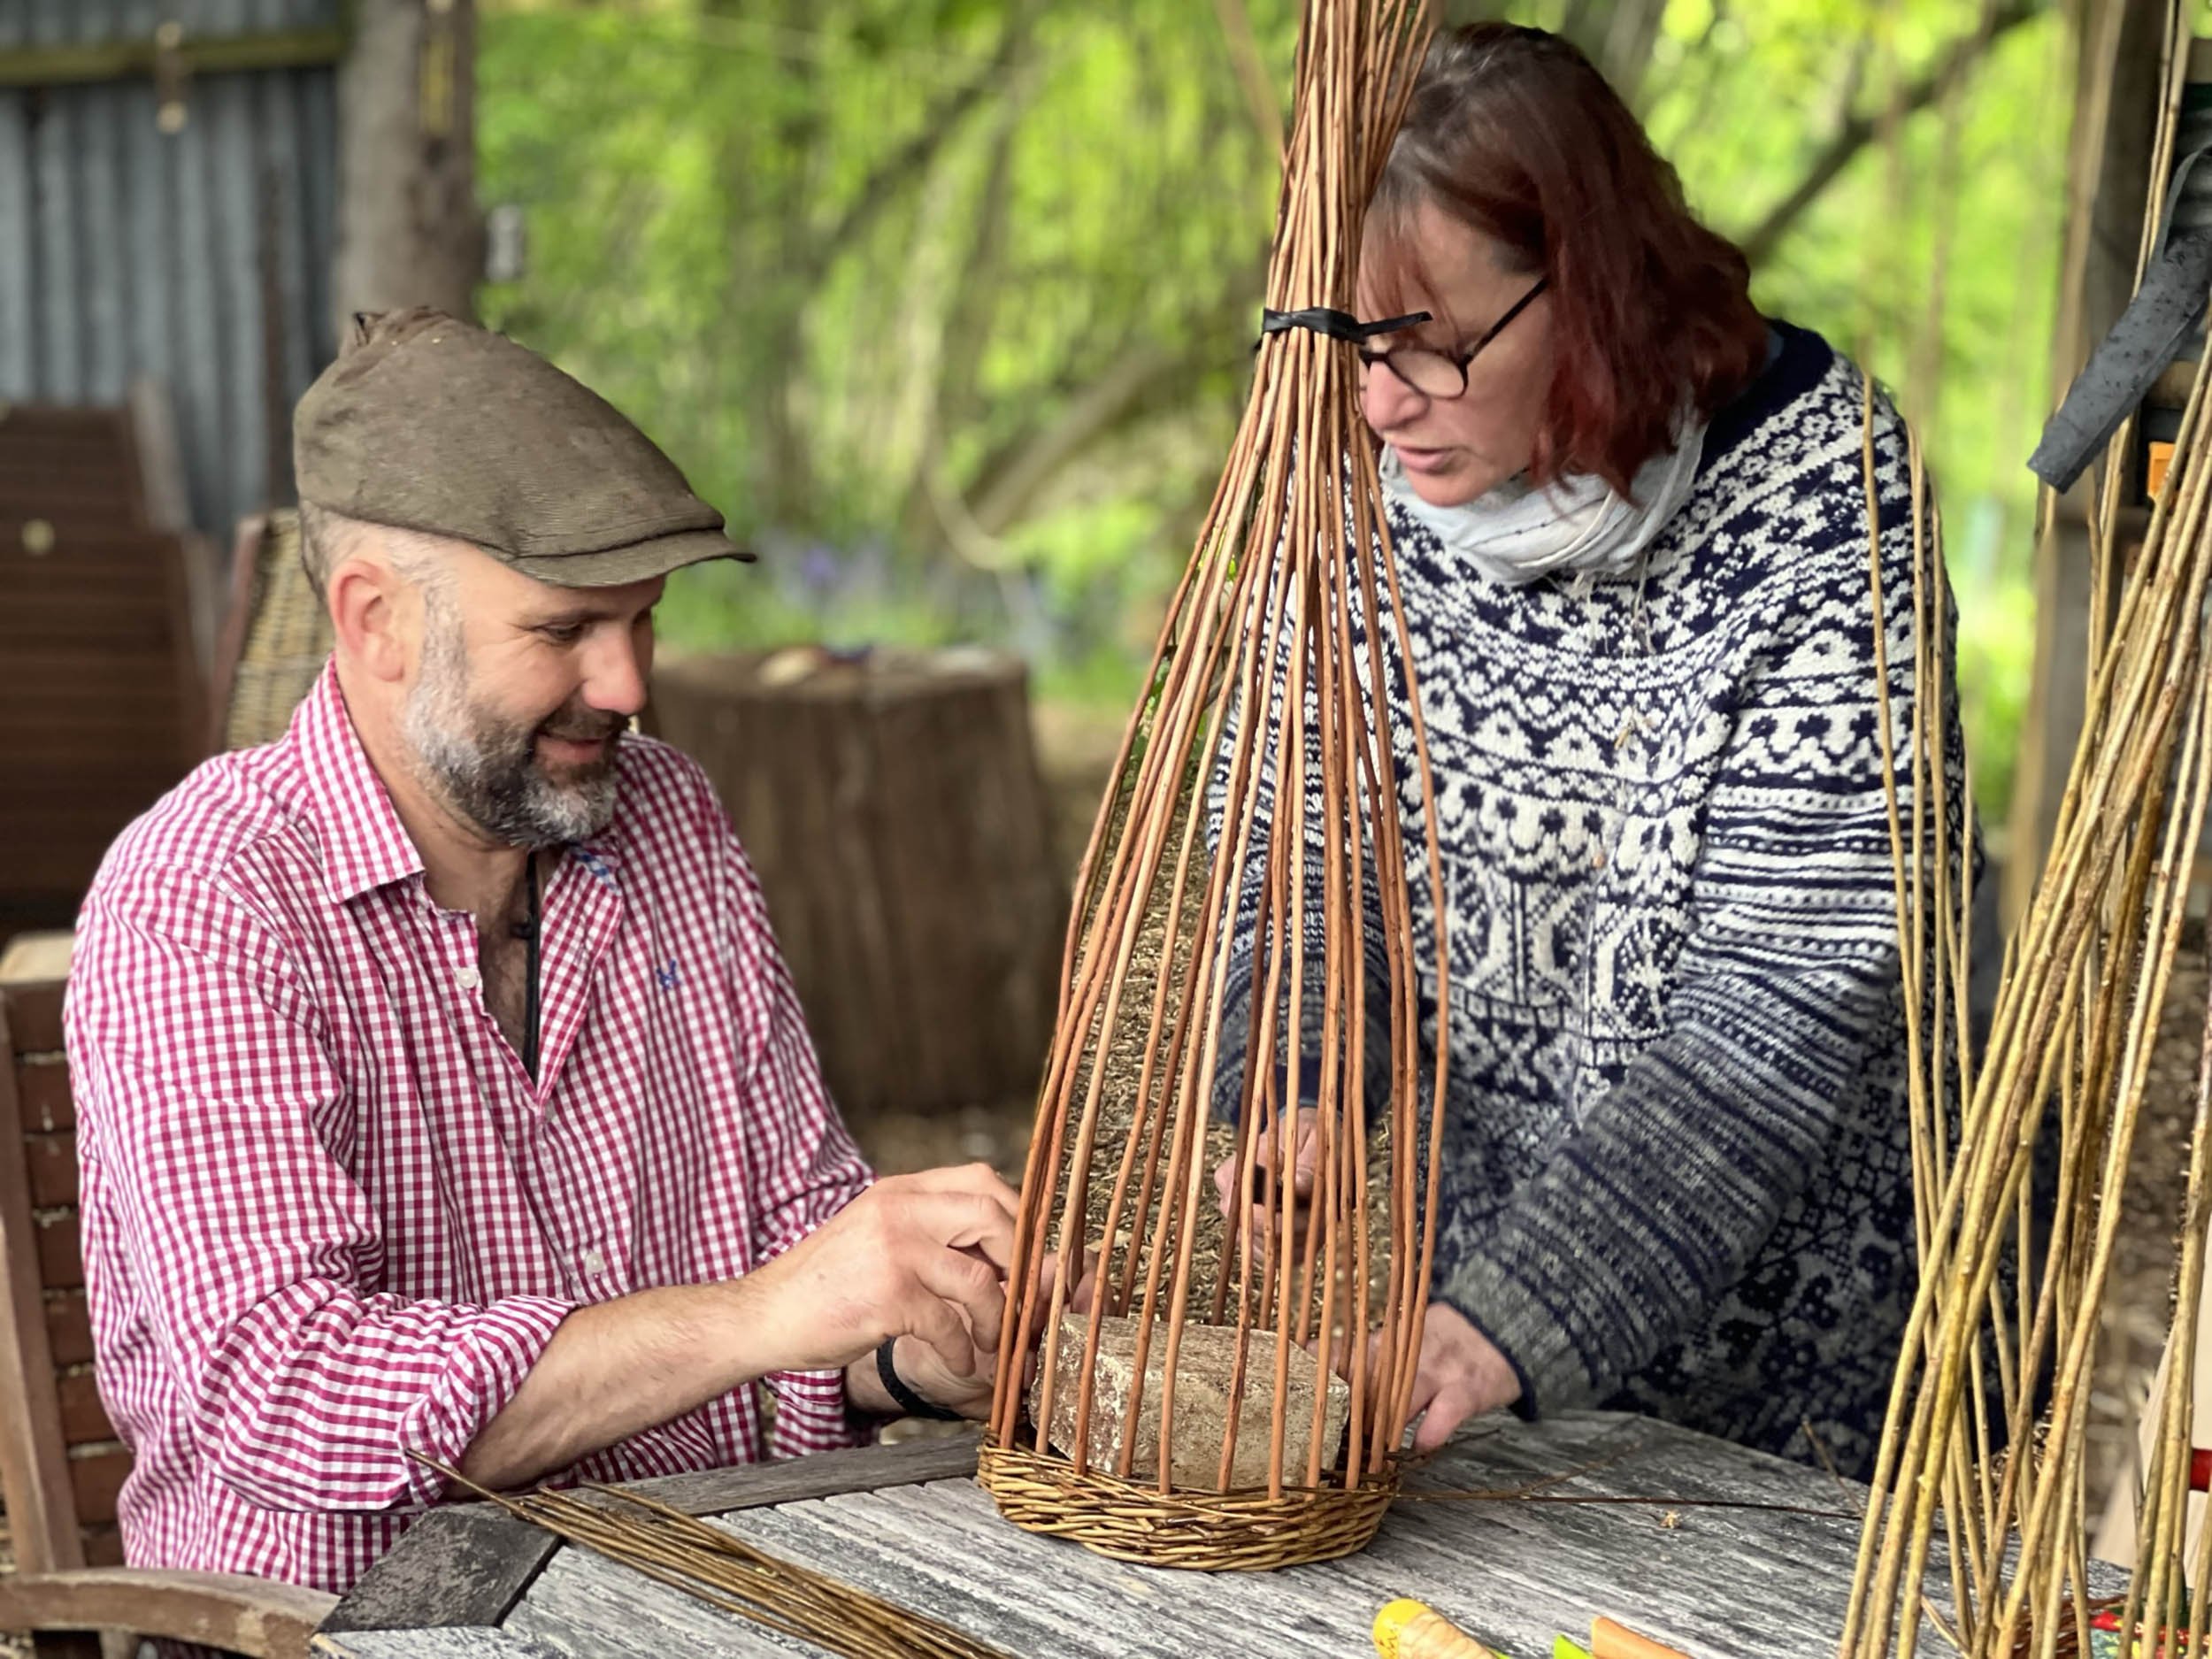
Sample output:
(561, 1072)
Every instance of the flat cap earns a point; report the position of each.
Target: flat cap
(430, 424)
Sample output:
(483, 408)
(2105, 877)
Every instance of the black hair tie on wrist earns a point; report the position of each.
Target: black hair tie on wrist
(910, 1402)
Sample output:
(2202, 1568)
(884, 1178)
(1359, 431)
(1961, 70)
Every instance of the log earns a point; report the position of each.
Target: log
(893, 807)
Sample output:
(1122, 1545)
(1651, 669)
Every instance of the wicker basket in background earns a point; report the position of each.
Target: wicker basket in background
(277, 637)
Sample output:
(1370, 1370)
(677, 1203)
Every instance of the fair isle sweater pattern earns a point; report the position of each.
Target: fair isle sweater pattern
(1677, 1173)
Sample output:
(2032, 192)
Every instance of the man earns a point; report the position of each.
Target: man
(441, 1094)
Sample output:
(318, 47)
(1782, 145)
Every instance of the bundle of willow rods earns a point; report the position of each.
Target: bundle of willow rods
(722, 1570)
(1268, 685)
(2076, 1013)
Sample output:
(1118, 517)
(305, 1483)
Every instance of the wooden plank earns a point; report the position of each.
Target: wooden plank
(83, 1418)
(585, 1604)
(34, 1016)
(222, 1610)
(102, 1547)
(61, 63)
(41, 1093)
(35, 957)
(825, 1474)
(52, 1162)
(865, 1540)
(971, 1536)
(68, 1328)
(943, 1553)
(468, 1563)
(464, 1566)
(96, 1478)
(33, 1478)
(474, 1642)
(79, 788)
(60, 1250)
(160, 464)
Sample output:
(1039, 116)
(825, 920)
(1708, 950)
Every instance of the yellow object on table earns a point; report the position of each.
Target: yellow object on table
(1406, 1629)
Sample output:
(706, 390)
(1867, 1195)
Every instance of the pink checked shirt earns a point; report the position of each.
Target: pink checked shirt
(328, 1218)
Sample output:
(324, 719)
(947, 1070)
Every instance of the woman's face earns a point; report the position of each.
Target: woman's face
(1456, 449)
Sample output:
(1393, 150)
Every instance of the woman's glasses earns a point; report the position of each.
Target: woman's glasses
(1443, 375)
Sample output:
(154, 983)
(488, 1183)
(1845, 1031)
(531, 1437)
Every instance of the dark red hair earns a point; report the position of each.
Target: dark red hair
(1515, 133)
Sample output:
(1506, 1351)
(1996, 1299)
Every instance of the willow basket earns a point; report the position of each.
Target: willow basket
(1236, 1532)
(1228, 1217)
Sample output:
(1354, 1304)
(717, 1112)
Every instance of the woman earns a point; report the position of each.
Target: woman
(1631, 527)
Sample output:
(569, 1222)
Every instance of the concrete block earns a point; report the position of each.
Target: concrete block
(1204, 1365)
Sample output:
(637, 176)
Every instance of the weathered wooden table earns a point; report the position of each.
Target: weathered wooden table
(909, 1523)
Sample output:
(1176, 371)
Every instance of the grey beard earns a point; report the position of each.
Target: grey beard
(486, 770)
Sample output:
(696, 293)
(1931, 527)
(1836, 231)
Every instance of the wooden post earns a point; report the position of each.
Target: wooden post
(2117, 101)
(894, 812)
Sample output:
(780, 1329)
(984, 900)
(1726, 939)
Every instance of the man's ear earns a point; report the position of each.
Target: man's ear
(370, 607)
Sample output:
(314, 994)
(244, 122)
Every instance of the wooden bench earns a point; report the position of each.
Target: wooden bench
(61, 1465)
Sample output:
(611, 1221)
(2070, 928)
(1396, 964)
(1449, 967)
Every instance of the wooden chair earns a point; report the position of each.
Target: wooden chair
(61, 1465)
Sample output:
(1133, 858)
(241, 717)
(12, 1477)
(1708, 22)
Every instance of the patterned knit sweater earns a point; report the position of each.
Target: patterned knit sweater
(1676, 1170)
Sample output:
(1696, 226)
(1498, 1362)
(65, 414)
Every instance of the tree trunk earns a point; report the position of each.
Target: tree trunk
(409, 232)
(895, 814)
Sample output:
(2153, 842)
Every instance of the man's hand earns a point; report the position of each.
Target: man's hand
(921, 1256)
(931, 1375)
(1461, 1375)
(924, 1370)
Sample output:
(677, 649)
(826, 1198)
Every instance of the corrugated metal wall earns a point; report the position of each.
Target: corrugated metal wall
(200, 259)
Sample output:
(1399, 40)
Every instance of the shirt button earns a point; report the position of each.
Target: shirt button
(595, 1264)
(468, 978)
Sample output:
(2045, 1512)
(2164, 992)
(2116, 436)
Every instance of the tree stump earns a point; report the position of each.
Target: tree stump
(893, 807)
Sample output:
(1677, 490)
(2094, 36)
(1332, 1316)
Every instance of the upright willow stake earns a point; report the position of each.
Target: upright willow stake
(2076, 1019)
(1180, 1385)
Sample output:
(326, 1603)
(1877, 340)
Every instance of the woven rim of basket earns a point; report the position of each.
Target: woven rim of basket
(1206, 1532)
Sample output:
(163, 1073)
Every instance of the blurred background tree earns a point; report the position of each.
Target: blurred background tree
(948, 303)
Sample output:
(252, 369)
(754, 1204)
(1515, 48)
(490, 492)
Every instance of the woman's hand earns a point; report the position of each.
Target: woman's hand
(1461, 1375)
(1266, 1158)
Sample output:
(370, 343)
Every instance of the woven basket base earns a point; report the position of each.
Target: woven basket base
(1205, 1532)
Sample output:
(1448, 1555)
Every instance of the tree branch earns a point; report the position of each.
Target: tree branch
(899, 168)
(1958, 60)
(1007, 483)
(1006, 490)
(966, 322)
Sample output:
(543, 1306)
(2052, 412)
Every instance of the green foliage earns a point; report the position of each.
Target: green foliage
(948, 303)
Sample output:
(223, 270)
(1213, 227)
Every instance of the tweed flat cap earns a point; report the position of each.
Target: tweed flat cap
(430, 424)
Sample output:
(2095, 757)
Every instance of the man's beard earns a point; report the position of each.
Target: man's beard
(486, 767)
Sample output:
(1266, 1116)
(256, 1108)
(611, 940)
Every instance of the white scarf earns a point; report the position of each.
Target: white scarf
(1580, 524)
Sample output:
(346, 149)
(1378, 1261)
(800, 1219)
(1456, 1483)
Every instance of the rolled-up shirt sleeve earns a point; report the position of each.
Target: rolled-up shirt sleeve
(217, 1137)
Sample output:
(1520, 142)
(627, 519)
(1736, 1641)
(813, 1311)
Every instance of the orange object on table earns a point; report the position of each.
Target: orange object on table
(1407, 1629)
(1609, 1640)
